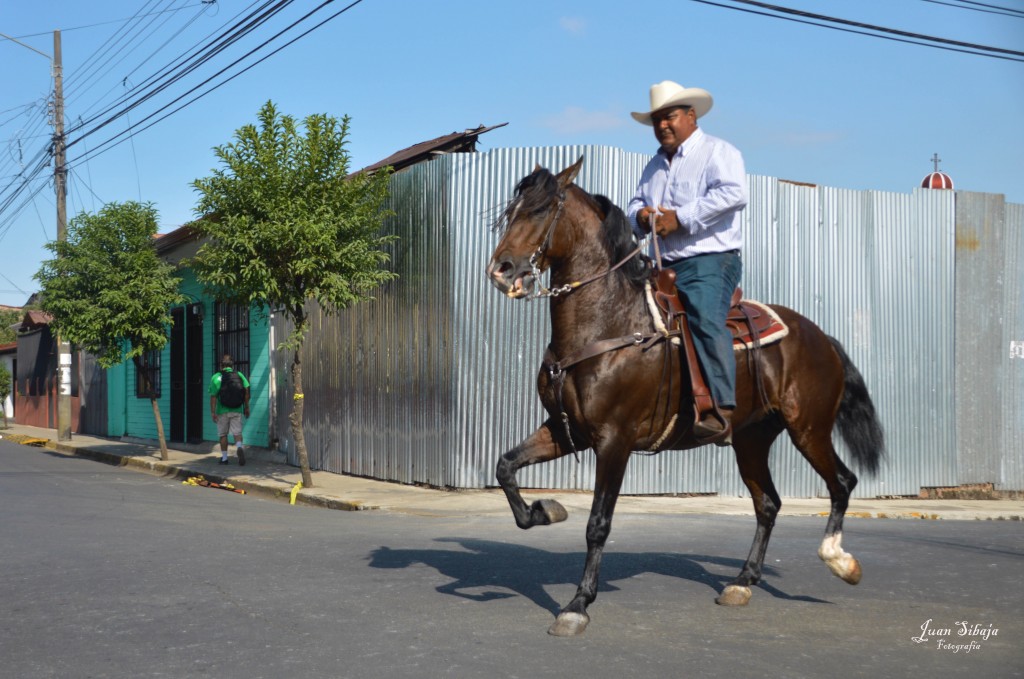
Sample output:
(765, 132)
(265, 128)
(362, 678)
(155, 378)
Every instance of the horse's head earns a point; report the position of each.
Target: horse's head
(532, 236)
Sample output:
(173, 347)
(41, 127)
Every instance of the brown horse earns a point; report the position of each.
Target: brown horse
(625, 396)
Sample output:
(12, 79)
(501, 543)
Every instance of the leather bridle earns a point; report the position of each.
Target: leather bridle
(542, 249)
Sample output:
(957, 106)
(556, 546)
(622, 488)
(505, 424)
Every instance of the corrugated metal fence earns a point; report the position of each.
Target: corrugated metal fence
(434, 379)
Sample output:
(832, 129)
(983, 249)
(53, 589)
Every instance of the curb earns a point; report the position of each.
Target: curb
(166, 470)
(281, 491)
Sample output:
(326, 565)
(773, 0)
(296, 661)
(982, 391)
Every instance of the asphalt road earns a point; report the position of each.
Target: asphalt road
(106, 572)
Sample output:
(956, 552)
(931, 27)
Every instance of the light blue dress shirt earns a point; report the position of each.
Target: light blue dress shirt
(706, 185)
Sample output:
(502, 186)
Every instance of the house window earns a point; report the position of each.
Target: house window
(150, 367)
(231, 335)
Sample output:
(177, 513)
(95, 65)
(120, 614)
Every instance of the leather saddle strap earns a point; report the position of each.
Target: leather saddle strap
(702, 401)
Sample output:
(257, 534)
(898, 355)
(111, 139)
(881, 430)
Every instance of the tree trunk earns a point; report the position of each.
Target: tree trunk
(159, 428)
(298, 407)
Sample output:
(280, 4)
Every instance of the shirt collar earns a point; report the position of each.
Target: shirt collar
(687, 146)
(690, 143)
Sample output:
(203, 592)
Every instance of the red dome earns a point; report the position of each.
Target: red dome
(937, 180)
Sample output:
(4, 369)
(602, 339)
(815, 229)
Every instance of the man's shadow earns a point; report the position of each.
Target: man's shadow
(485, 570)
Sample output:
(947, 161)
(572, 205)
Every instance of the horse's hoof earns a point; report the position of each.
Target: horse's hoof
(839, 561)
(569, 624)
(551, 511)
(845, 568)
(734, 595)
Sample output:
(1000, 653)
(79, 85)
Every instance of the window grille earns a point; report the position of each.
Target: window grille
(150, 365)
(231, 335)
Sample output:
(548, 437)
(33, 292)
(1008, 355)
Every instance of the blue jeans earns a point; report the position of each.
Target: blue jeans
(706, 283)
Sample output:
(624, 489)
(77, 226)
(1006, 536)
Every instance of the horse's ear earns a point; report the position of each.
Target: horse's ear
(568, 175)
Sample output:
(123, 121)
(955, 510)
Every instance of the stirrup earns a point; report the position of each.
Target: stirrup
(721, 437)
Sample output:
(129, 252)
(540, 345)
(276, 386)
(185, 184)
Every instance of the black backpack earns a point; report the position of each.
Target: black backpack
(232, 391)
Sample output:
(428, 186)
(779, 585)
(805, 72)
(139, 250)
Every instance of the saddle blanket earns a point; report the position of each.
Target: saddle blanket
(767, 324)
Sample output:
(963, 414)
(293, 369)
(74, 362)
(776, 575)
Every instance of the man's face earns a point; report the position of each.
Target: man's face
(673, 126)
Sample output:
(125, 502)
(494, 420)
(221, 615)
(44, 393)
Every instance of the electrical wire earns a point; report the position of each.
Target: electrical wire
(179, 71)
(123, 54)
(101, 23)
(977, 7)
(112, 141)
(907, 37)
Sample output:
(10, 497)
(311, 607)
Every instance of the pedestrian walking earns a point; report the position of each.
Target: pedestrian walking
(229, 402)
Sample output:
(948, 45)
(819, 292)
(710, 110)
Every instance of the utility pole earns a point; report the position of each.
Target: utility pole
(60, 177)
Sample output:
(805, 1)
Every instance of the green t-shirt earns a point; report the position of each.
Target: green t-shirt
(215, 390)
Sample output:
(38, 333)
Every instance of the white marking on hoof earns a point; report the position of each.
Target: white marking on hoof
(734, 595)
(841, 563)
(569, 624)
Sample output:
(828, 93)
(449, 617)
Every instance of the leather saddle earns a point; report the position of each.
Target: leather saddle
(750, 324)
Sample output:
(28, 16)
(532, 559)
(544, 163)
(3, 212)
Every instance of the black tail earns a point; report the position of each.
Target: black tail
(857, 421)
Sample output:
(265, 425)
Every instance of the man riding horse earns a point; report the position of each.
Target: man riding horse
(691, 195)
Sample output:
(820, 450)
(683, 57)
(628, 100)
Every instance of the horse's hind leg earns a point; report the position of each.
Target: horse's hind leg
(752, 450)
(611, 467)
(816, 446)
(541, 446)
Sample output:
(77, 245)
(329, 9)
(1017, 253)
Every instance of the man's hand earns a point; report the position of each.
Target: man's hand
(665, 221)
(643, 218)
(214, 415)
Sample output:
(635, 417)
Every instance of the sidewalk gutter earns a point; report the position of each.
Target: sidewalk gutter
(265, 475)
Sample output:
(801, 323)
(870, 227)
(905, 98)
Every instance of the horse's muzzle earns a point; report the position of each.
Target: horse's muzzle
(515, 282)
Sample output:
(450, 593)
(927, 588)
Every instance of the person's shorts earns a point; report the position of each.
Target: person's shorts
(229, 423)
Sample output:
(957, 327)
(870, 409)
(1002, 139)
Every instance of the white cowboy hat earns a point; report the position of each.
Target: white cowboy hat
(667, 94)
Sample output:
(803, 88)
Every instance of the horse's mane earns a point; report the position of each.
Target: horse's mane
(535, 194)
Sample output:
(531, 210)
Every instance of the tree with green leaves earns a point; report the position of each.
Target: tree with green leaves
(108, 291)
(286, 225)
(9, 317)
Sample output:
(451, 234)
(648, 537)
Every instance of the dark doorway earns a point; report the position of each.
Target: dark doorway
(195, 379)
(188, 383)
(177, 426)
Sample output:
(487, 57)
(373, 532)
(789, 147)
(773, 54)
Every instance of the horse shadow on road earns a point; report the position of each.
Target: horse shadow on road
(485, 570)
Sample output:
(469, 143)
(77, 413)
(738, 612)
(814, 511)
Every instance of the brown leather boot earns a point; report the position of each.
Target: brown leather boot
(715, 427)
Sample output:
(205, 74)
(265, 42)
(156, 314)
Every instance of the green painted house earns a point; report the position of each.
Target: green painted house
(202, 331)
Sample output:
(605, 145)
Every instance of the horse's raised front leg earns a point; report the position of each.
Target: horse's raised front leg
(542, 445)
(752, 458)
(611, 467)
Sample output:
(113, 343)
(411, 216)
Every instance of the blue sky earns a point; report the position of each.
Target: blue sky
(802, 103)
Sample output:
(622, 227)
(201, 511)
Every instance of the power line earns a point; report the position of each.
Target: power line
(105, 23)
(1006, 10)
(13, 200)
(22, 180)
(978, 5)
(16, 288)
(112, 141)
(110, 48)
(175, 72)
(906, 36)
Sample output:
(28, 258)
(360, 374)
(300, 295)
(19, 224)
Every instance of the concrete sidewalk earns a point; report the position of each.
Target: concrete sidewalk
(266, 474)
